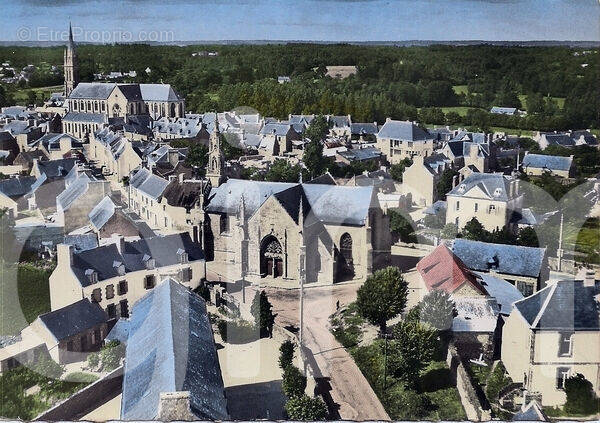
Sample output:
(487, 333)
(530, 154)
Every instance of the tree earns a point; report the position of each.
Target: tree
(445, 184)
(261, 311)
(411, 349)
(474, 231)
(111, 355)
(313, 151)
(286, 354)
(382, 296)
(438, 310)
(282, 171)
(397, 170)
(449, 231)
(402, 226)
(305, 408)
(197, 156)
(294, 382)
(580, 396)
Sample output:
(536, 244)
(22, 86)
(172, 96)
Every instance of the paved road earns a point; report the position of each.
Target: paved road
(349, 389)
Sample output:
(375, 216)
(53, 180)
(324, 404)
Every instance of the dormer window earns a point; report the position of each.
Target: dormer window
(92, 275)
(120, 267)
(462, 188)
(149, 262)
(497, 192)
(183, 256)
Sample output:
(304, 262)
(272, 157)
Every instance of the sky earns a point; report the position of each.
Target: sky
(316, 20)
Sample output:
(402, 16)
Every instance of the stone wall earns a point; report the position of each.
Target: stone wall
(475, 410)
(87, 399)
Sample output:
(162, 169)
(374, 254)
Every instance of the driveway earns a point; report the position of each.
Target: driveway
(349, 390)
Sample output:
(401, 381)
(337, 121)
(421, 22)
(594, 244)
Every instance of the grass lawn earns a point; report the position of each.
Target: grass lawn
(20, 95)
(512, 131)
(24, 295)
(461, 110)
(586, 240)
(460, 89)
(560, 101)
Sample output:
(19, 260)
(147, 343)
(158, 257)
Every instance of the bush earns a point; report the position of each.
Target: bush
(237, 332)
(111, 355)
(81, 377)
(294, 382)
(46, 367)
(93, 360)
(305, 408)
(580, 396)
(497, 380)
(405, 404)
(286, 354)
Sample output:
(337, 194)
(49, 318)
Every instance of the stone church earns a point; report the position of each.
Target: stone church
(275, 233)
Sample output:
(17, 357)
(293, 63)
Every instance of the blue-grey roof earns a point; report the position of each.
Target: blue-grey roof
(119, 332)
(363, 128)
(101, 213)
(182, 127)
(171, 348)
(163, 249)
(148, 183)
(51, 141)
(131, 92)
(65, 199)
(531, 412)
(85, 117)
(326, 203)
(436, 208)
(525, 217)
(503, 291)
(361, 154)
(17, 187)
(279, 129)
(542, 161)
(560, 139)
(159, 92)
(56, 168)
(494, 185)
(81, 242)
(339, 121)
(436, 163)
(92, 90)
(565, 305)
(508, 259)
(403, 130)
(503, 110)
(73, 319)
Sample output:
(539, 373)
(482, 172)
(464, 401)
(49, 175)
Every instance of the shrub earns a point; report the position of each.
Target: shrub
(111, 355)
(305, 408)
(46, 367)
(222, 328)
(286, 354)
(237, 332)
(580, 396)
(405, 404)
(93, 360)
(294, 382)
(497, 380)
(81, 377)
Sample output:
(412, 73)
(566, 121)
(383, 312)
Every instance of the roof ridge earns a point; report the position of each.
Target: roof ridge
(544, 305)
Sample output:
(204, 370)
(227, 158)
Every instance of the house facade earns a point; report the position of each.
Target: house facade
(399, 140)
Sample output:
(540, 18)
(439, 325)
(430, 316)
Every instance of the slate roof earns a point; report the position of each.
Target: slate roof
(183, 194)
(436, 208)
(503, 291)
(508, 259)
(92, 90)
(494, 185)
(65, 199)
(73, 319)
(403, 130)
(475, 314)
(85, 117)
(503, 110)
(327, 203)
(56, 168)
(339, 121)
(565, 305)
(159, 92)
(17, 187)
(148, 183)
(363, 128)
(163, 249)
(560, 139)
(436, 163)
(101, 213)
(531, 412)
(442, 270)
(157, 360)
(183, 127)
(29, 156)
(81, 242)
(541, 161)
(361, 154)
(279, 129)
(51, 141)
(131, 92)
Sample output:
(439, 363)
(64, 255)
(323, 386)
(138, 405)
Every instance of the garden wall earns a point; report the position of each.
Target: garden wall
(87, 399)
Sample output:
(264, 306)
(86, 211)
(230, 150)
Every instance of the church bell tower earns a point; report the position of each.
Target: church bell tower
(216, 158)
(71, 65)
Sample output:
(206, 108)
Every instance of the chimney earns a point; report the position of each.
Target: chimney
(588, 276)
(173, 157)
(454, 181)
(119, 242)
(64, 254)
(174, 406)
(181, 177)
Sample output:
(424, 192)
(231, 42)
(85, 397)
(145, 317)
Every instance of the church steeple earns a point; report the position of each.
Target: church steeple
(216, 158)
(71, 65)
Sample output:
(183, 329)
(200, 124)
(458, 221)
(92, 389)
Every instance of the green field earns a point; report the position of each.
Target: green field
(560, 101)
(460, 89)
(21, 95)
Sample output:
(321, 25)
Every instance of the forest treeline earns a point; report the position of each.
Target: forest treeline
(419, 83)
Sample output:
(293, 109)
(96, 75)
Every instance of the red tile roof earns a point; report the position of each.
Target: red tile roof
(441, 269)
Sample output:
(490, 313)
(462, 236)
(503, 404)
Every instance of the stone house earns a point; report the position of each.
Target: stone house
(107, 219)
(114, 154)
(421, 178)
(117, 275)
(552, 335)
(538, 164)
(276, 139)
(399, 140)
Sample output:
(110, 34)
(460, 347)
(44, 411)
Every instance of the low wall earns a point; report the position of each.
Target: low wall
(570, 266)
(468, 395)
(87, 399)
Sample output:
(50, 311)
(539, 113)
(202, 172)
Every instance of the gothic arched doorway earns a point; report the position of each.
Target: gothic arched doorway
(345, 261)
(271, 257)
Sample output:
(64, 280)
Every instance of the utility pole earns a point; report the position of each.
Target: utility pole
(301, 271)
(559, 251)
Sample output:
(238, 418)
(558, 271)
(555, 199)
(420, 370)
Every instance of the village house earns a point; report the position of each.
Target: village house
(117, 275)
(107, 219)
(565, 139)
(114, 154)
(276, 139)
(421, 178)
(538, 164)
(57, 146)
(399, 140)
(553, 335)
(471, 150)
(491, 198)
(525, 267)
(145, 192)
